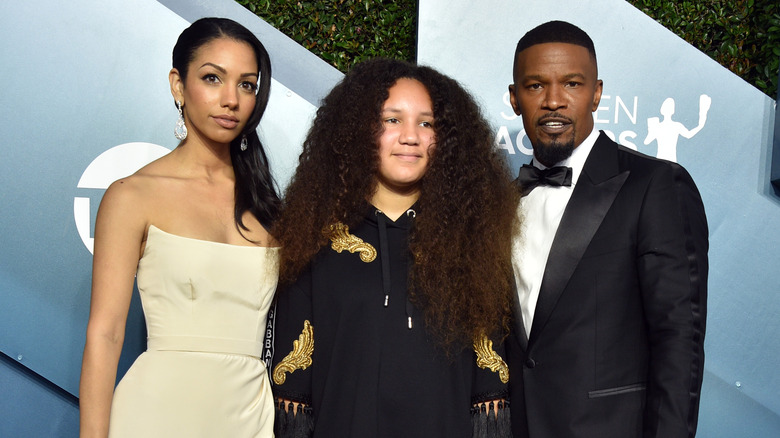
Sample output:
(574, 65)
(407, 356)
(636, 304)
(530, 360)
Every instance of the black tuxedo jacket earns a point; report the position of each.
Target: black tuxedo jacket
(616, 345)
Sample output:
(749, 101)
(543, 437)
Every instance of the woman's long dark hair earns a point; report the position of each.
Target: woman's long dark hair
(255, 189)
(461, 275)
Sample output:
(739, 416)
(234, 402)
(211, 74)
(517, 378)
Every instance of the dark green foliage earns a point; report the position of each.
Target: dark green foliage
(742, 35)
(345, 32)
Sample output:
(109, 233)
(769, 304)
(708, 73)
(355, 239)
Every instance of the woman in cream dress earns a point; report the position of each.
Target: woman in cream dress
(193, 227)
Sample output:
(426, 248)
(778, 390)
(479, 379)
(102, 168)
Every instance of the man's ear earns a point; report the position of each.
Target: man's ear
(597, 95)
(513, 100)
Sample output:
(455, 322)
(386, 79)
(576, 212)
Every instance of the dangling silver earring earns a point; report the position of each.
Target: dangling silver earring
(180, 131)
(244, 143)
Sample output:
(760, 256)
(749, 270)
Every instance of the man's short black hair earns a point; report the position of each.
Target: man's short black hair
(556, 32)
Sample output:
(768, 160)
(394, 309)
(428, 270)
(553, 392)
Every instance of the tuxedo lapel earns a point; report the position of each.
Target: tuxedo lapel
(596, 189)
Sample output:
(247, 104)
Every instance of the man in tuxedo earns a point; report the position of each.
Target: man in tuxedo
(610, 267)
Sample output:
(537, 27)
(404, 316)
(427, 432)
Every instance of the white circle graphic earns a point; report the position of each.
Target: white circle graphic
(118, 162)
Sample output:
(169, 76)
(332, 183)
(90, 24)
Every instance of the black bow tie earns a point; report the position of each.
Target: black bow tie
(531, 176)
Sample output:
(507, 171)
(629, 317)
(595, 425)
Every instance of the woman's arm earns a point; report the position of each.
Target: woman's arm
(119, 234)
(490, 417)
(290, 372)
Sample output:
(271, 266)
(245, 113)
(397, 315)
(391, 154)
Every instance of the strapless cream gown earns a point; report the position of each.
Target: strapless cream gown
(205, 305)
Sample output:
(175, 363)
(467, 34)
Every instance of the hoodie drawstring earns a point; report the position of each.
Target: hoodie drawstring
(385, 258)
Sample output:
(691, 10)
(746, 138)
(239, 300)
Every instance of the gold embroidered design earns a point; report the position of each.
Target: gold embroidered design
(299, 358)
(488, 358)
(339, 235)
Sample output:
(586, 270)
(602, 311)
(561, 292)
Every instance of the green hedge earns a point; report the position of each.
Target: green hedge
(345, 32)
(742, 35)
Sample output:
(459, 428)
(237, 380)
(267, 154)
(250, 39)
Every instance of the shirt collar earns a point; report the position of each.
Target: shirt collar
(577, 158)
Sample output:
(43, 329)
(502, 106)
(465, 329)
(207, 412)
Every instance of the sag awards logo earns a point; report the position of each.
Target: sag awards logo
(664, 130)
(117, 162)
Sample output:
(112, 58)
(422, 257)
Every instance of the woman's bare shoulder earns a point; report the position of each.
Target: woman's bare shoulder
(140, 192)
(147, 180)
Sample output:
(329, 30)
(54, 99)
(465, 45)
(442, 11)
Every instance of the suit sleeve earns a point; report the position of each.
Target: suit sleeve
(672, 245)
(292, 337)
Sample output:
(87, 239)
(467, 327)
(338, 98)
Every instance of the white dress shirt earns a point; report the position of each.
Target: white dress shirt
(540, 213)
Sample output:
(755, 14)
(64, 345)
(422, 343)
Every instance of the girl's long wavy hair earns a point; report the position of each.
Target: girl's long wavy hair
(255, 188)
(461, 274)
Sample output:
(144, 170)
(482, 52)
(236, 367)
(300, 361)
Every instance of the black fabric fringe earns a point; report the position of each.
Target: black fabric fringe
(489, 420)
(293, 424)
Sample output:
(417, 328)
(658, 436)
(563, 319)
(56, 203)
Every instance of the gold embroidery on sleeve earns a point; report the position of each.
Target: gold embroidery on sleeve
(488, 358)
(339, 235)
(299, 357)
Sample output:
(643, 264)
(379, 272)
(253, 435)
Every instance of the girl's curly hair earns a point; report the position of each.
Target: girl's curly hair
(461, 242)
